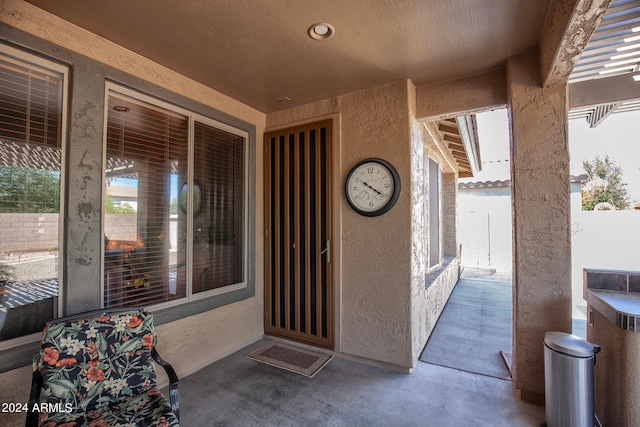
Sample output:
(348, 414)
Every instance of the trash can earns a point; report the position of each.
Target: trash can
(568, 380)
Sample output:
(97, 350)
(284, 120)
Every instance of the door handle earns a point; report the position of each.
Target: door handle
(327, 250)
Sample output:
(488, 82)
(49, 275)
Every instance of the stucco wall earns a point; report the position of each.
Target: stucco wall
(429, 290)
(541, 219)
(204, 337)
(374, 271)
(386, 312)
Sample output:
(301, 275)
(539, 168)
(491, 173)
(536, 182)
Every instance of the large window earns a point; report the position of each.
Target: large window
(175, 203)
(32, 117)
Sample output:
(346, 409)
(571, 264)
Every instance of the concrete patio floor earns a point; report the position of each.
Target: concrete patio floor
(237, 391)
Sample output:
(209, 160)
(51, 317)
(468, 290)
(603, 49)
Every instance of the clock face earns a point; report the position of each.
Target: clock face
(372, 187)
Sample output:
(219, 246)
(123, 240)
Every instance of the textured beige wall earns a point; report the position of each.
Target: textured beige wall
(616, 373)
(376, 252)
(374, 274)
(195, 341)
(541, 218)
(470, 95)
(385, 313)
(421, 325)
(428, 297)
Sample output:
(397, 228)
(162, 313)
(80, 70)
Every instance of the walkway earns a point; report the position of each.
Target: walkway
(474, 331)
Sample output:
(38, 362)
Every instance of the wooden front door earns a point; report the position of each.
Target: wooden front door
(298, 279)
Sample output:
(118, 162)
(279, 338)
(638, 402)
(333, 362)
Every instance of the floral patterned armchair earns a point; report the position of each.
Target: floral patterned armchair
(95, 369)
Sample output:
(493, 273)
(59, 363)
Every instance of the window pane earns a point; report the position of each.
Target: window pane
(145, 257)
(218, 223)
(434, 213)
(30, 104)
(30, 164)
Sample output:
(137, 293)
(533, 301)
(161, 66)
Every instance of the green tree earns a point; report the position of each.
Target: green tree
(111, 208)
(29, 190)
(604, 184)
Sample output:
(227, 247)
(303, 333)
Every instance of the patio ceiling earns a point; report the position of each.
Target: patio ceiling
(261, 54)
(264, 57)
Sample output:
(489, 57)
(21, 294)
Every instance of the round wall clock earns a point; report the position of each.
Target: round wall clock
(372, 187)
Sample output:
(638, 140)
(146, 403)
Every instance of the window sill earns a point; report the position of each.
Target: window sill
(431, 277)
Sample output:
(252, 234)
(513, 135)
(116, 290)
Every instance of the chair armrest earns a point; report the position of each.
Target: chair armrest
(173, 381)
(34, 398)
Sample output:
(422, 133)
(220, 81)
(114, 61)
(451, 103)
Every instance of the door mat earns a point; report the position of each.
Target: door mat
(295, 359)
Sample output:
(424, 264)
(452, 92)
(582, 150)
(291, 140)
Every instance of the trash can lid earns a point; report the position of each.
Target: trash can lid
(570, 344)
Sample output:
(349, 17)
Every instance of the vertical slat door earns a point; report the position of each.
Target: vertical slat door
(298, 287)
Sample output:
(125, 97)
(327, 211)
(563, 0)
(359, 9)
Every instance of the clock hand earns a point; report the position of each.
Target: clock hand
(367, 184)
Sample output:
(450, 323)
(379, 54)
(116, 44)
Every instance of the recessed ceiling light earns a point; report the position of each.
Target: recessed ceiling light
(321, 31)
(121, 108)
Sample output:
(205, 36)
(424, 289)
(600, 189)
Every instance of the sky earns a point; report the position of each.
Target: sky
(618, 136)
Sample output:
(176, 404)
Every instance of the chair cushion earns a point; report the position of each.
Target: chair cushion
(145, 410)
(94, 363)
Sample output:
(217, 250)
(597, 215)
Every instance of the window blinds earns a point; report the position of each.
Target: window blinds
(146, 151)
(218, 225)
(30, 102)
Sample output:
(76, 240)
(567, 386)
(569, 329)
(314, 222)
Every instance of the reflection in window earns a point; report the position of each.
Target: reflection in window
(31, 123)
(144, 261)
(175, 213)
(218, 223)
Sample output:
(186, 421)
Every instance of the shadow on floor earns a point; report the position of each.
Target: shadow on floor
(237, 391)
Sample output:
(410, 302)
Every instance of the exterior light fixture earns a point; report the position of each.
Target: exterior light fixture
(321, 31)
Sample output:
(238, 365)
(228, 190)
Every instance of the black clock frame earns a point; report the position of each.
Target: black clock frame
(394, 196)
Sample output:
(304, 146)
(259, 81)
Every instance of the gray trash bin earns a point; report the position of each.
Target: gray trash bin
(568, 380)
